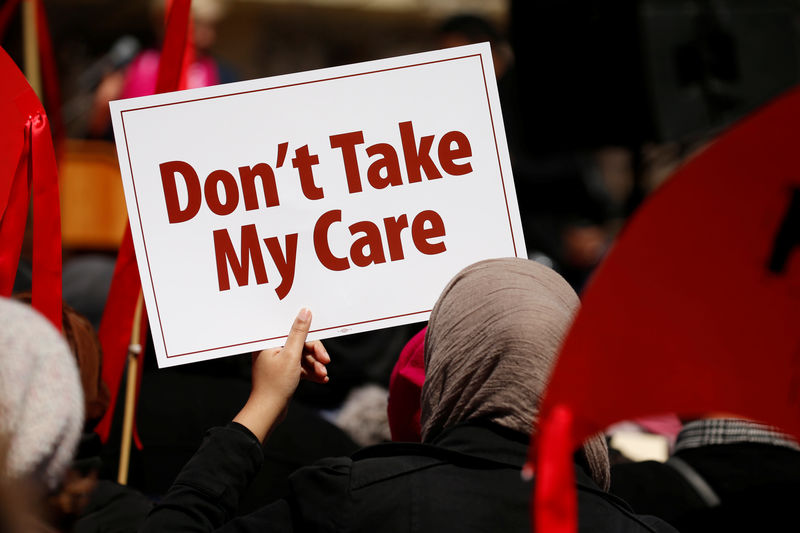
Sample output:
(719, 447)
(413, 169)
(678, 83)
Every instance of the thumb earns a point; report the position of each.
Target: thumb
(297, 335)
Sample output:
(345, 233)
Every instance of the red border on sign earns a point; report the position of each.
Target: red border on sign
(138, 212)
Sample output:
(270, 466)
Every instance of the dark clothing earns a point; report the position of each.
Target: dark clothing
(754, 486)
(467, 480)
(113, 508)
(209, 394)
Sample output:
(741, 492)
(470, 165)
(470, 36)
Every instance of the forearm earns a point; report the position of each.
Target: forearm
(276, 373)
(207, 491)
(260, 414)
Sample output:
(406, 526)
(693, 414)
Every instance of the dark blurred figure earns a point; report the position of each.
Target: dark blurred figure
(562, 197)
(724, 475)
(86, 280)
(465, 29)
(644, 76)
(202, 395)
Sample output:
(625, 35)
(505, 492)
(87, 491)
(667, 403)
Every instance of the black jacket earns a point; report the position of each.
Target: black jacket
(468, 480)
(757, 485)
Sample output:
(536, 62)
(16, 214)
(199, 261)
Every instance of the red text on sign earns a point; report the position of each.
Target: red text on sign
(368, 249)
(225, 205)
(384, 170)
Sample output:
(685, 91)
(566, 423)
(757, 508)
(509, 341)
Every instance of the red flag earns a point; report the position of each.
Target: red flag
(696, 309)
(177, 47)
(115, 327)
(15, 100)
(28, 170)
(556, 506)
(52, 92)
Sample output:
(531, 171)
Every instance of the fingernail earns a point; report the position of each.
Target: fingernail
(304, 314)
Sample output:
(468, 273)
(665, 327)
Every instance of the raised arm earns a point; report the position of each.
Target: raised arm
(206, 493)
(276, 373)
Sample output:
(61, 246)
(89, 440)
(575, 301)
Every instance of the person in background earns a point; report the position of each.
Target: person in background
(490, 344)
(725, 474)
(204, 71)
(468, 28)
(564, 203)
(41, 408)
(363, 415)
(84, 503)
(139, 77)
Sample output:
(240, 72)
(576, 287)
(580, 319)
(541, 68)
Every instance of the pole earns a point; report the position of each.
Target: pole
(134, 349)
(30, 40)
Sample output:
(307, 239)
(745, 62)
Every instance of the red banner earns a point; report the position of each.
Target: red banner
(118, 316)
(52, 92)
(28, 166)
(696, 308)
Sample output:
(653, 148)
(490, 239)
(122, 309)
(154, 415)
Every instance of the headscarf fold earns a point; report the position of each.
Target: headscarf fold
(492, 340)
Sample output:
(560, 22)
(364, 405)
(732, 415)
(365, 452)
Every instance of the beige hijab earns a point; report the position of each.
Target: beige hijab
(492, 339)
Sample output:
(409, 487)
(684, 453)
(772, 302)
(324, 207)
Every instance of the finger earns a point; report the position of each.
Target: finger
(314, 367)
(297, 335)
(318, 351)
(312, 376)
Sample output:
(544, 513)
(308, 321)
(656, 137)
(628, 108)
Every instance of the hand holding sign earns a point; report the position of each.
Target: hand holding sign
(276, 374)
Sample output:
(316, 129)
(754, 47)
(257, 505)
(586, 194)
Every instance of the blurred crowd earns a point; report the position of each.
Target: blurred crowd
(465, 421)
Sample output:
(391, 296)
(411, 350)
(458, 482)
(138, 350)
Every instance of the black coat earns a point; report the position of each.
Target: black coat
(758, 487)
(468, 480)
(113, 508)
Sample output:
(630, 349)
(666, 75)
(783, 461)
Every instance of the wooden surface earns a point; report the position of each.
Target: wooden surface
(93, 211)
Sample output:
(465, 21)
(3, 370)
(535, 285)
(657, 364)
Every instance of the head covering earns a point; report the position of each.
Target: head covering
(405, 389)
(85, 346)
(492, 340)
(41, 403)
(363, 415)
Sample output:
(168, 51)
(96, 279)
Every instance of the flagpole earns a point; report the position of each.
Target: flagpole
(134, 349)
(30, 47)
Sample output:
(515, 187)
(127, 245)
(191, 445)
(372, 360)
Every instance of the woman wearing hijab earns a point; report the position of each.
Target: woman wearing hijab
(490, 344)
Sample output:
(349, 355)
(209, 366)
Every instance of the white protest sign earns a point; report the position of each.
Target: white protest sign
(357, 191)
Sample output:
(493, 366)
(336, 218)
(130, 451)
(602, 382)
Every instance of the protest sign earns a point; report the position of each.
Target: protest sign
(357, 191)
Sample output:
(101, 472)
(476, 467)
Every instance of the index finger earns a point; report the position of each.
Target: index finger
(297, 335)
